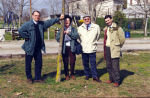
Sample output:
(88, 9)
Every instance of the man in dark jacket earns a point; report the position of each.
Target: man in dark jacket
(33, 33)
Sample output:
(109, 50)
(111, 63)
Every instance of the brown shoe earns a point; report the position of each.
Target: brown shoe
(30, 81)
(67, 77)
(97, 80)
(108, 82)
(73, 77)
(116, 84)
(39, 81)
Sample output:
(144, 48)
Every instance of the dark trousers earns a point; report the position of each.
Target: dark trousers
(69, 56)
(86, 58)
(112, 67)
(38, 64)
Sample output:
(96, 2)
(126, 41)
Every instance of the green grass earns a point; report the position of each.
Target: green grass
(135, 77)
(138, 35)
(8, 36)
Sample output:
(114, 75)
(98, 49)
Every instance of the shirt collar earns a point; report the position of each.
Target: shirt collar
(35, 22)
(110, 26)
(89, 25)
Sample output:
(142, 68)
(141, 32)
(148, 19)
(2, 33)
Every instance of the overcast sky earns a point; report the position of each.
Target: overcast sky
(40, 4)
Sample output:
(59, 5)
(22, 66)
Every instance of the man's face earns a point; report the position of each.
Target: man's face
(36, 16)
(108, 21)
(67, 22)
(87, 20)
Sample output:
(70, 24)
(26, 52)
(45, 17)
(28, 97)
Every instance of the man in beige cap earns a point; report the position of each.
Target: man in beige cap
(89, 35)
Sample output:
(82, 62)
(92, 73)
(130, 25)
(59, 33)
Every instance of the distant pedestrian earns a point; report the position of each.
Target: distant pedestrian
(68, 52)
(33, 32)
(114, 39)
(89, 35)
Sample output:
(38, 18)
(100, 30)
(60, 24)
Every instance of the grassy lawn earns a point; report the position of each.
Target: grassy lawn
(135, 77)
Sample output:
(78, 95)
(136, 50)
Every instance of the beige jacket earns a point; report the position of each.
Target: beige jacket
(117, 39)
(89, 38)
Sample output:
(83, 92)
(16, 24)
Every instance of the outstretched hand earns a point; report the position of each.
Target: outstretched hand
(61, 17)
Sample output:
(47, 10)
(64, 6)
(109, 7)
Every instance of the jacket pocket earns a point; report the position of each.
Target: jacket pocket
(27, 45)
(117, 42)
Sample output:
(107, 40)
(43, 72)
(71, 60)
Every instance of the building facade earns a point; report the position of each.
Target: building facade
(137, 8)
(99, 8)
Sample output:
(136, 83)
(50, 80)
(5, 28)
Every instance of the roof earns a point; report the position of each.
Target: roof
(72, 0)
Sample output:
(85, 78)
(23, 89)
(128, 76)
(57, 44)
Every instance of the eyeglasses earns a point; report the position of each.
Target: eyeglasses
(87, 19)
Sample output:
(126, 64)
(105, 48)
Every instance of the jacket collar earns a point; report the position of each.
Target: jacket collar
(31, 21)
(114, 25)
(35, 22)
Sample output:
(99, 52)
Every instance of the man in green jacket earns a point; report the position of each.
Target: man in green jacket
(33, 33)
(113, 41)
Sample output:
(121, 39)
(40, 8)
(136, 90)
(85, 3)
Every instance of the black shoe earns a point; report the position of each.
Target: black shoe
(30, 81)
(86, 78)
(39, 81)
(97, 80)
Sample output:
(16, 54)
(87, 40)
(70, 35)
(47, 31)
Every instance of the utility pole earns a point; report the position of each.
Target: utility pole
(59, 60)
(30, 10)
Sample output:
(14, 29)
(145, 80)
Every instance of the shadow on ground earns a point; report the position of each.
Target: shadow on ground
(6, 67)
(52, 75)
(124, 74)
(78, 73)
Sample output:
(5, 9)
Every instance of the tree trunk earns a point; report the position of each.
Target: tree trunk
(145, 28)
(21, 10)
(145, 25)
(59, 61)
(30, 10)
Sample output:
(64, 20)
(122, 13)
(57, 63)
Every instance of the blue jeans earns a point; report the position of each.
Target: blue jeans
(86, 58)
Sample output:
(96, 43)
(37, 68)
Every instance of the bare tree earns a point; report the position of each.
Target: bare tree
(88, 8)
(144, 7)
(21, 12)
(44, 12)
(16, 6)
(26, 16)
(54, 6)
(92, 8)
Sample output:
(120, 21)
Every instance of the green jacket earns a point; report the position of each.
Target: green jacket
(74, 36)
(27, 31)
(117, 39)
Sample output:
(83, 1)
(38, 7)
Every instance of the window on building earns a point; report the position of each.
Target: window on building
(78, 6)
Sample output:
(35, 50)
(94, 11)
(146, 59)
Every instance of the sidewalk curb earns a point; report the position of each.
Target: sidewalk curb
(23, 55)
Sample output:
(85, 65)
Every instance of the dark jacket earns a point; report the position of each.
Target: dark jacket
(27, 31)
(73, 35)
